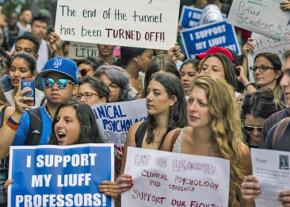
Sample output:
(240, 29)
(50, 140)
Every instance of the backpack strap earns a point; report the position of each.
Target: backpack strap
(35, 127)
(2, 114)
(139, 135)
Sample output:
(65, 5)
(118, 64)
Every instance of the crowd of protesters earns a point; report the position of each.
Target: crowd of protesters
(203, 106)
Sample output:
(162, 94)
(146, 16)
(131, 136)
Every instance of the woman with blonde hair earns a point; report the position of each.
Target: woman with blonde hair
(215, 130)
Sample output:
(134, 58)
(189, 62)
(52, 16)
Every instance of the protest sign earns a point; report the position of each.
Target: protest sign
(80, 50)
(133, 23)
(60, 175)
(261, 16)
(114, 119)
(175, 179)
(272, 170)
(189, 17)
(199, 39)
(266, 44)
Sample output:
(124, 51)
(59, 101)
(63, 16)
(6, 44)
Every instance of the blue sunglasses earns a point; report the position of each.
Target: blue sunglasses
(61, 82)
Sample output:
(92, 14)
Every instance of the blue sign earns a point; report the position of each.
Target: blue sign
(60, 176)
(200, 39)
(189, 17)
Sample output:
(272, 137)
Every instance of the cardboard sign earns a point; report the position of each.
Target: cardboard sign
(134, 23)
(79, 50)
(261, 16)
(115, 119)
(189, 17)
(163, 179)
(60, 175)
(200, 39)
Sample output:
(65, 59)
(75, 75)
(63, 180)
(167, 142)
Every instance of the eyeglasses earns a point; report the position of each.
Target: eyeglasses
(113, 86)
(261, 68)
(86, 95)
(251, 128)
(61, 82)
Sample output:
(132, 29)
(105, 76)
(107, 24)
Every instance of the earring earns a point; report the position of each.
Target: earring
(135, 59)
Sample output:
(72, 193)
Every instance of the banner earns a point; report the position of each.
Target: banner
(199, 39)
(271, 167)
(261, 16)
(134, 23)
(115, 119)
(60, 175)
(163, 179)
(79, 50)
(189, 17)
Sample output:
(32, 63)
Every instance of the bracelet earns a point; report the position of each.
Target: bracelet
(249, 84)
(12, 124)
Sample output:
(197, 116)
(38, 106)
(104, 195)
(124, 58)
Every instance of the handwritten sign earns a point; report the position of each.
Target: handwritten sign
(266, 44)
(114, 119)
(199, 39)
(261, 16)
(80, 50)
(189, 17)
(175, 179)
(271, 167)
(60, 176)
(134, 23)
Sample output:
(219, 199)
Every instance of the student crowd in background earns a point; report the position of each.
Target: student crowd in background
(202, 106)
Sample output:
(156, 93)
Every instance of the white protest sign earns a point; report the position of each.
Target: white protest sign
(80, 50)
(272, 170)
(134, 23)
(114, 119)
(261, 16)
(265, 44)
(175, 179)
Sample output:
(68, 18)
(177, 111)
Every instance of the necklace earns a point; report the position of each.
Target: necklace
(47, 112)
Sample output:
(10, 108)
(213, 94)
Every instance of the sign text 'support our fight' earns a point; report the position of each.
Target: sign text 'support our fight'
(163, 179)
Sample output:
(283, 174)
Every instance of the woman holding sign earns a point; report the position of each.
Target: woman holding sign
(215, 130)
(166, 111)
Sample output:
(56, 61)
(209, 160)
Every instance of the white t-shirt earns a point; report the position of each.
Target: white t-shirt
(39, 95)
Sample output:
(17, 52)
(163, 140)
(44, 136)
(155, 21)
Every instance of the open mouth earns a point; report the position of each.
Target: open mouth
(60, 135)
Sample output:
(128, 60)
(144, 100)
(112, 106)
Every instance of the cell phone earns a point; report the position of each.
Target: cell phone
(237, 71)
(30, 83)
(50, 29)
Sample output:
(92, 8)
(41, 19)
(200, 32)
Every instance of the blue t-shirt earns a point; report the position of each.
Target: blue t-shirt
(23, 128)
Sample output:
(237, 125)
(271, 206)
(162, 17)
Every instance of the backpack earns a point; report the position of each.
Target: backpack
(35, 127)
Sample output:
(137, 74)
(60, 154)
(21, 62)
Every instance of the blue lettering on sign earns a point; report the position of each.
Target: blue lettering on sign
(117, 125)
(189, 17)
(200, 39)
(109, 111)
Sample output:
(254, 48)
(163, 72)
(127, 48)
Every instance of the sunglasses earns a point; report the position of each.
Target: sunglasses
(61, 82)
(251, 128)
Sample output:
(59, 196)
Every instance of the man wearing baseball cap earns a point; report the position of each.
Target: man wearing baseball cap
(60, 79)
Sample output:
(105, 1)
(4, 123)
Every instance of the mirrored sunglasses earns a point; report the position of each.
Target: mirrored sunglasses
(61, 82)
